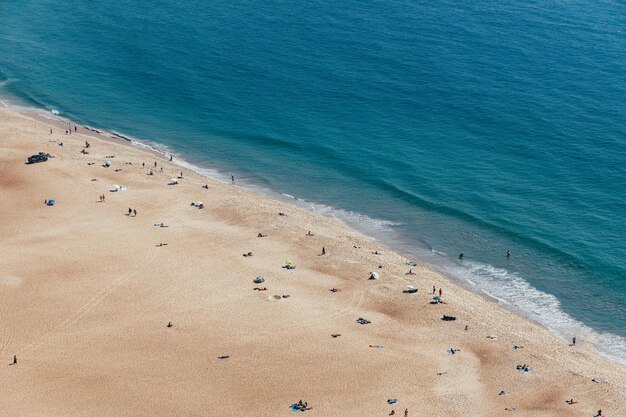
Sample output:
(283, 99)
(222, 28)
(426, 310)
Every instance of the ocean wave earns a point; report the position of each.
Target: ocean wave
(514, 292)
(7, 82)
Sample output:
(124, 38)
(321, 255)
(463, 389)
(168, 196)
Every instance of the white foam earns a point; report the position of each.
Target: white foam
(518, 294)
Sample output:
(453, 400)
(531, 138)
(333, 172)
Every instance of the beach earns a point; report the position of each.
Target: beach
(88, 290)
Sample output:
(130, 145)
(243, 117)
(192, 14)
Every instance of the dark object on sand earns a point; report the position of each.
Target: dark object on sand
(448, 318)
(361, 320)
(410, 291)
(37, 158)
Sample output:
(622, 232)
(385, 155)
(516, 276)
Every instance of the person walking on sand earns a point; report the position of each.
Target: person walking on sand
(440, 292)
(130, 211)
(406, 412)
(134, 213)
(574, 341)
(323, 250)
(14, 359)
(155, 164)
(232, 180)
(434, 289)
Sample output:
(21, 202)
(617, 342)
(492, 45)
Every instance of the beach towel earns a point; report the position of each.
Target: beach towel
(376, 346)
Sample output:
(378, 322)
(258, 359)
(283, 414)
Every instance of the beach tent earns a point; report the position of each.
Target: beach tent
(259, 280)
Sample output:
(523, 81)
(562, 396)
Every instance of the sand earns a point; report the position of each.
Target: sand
(87, 293)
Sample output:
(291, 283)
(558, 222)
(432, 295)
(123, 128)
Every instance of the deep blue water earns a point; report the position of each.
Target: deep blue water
(439, 127)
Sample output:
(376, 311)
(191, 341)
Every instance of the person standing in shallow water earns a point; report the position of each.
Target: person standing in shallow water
(508, 254)
(461, 256)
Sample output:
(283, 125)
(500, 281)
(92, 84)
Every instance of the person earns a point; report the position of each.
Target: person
(434, 289)
(181, 174)
(171, 157)
(206, 186)
(169, 324)
(130, 211)
(161, 169)
(406, 412)
(309, 233)
(74, 128)
(232, 179)
(323, 250)
(143, 165)
(50, 131)
(461, 256)
(103, 198)
(440, 292)
(466, 327)
(410, 272)
(155, 164)
(574, 341)
(14, 359)
(151, 173)
(393, 413)
(508, 254)
(135, 213)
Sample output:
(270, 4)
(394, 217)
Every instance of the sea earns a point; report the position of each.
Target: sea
(436, 127)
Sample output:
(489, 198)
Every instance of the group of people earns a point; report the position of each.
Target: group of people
(132, 212)
(102, 198)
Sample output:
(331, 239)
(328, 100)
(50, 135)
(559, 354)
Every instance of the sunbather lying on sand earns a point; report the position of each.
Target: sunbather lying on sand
(335, 289)
(245, 255)
(261, 235)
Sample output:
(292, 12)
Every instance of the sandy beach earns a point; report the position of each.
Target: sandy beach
(88, 290)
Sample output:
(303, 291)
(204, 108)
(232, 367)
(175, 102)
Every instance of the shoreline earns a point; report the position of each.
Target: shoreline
(103, 289)
(49, 117)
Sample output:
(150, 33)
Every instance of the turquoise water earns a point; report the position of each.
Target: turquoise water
(438, 127)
